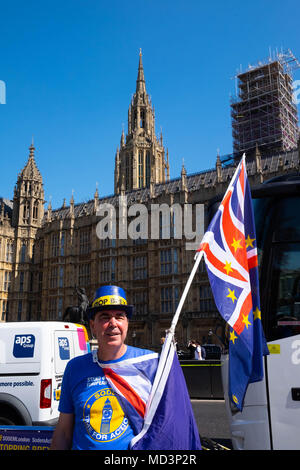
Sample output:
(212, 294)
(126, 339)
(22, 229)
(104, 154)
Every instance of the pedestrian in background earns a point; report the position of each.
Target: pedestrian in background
(200, 353)
(192, 348)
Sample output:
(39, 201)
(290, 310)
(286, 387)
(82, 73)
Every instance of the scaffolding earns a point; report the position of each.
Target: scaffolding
(263, 112)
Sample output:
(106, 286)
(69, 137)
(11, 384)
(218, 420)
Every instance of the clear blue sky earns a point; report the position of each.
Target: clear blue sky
(70, 68)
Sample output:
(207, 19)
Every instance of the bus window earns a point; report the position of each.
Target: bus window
(284, 294)
(264, 215)
(278, 242)
(288, 222)
(276, 220)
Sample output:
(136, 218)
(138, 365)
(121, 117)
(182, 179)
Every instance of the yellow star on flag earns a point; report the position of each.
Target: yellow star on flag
(236, 244)
(257, 314)
(249, 241)
(232, 336)
(227, 267)
(246, 321)
(234, 398)
(231, 295)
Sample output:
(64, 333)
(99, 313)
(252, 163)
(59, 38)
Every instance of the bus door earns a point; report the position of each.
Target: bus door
(281, 310)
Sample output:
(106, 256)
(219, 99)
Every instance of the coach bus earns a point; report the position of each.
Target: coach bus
(271, 415)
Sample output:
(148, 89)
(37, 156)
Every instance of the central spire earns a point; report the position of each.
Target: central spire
(140, 160)
(140, 82)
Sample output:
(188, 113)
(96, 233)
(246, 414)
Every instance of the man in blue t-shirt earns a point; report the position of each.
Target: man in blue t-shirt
(91, 417)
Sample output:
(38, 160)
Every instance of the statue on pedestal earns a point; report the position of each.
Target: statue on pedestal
(77, 314)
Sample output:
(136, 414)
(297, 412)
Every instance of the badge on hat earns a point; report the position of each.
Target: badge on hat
(109, 298)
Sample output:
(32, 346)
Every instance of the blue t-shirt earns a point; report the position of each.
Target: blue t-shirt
(100, 423)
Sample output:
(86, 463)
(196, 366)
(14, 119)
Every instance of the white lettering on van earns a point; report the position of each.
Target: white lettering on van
(24, 341)
(296, 354)
(63, 342)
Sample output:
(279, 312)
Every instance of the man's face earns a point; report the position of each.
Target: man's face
(110, 328)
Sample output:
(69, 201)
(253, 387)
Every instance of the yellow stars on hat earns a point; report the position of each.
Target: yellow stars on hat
(231, 295)
(227, 267)
(232, 336)
(236, 244)
(249, 241)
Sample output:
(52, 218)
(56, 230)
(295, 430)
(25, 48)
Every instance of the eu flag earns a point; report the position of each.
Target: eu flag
(169, 422)
(153, 394)
(229, 247)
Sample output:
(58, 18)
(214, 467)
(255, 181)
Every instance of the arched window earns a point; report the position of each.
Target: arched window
(141, 169)
(23, 253)
(35, 210)
(127, 171)
(148, 167)
(142, 118)
(26, 211)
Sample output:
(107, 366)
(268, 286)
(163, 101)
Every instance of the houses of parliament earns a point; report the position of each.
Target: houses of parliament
(45, 253)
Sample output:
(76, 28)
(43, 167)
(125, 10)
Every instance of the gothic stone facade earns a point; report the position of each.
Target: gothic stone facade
(44, 255)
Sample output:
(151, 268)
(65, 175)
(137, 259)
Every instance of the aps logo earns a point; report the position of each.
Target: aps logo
(24, 345)
(64, 348)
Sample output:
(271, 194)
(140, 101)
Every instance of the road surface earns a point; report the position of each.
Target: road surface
(212, 420)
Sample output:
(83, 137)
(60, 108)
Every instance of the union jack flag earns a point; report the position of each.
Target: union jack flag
(149, 388)
(230, 253)
(132, 379)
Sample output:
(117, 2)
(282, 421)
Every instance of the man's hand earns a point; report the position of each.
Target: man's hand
(63, 434)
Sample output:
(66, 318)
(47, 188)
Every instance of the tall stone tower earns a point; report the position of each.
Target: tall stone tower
(27, 216)
(140, 159)
(28, 203)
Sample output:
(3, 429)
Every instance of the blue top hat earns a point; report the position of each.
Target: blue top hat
(109, 298)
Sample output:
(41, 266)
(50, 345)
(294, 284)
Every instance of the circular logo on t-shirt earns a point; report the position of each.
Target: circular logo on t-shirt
(103, 416)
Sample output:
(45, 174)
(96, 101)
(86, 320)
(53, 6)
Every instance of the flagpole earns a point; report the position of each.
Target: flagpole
(170, 333)
(167, 352)
(166, 357)
(198, 258)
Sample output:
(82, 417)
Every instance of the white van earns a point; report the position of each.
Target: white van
(33, 357)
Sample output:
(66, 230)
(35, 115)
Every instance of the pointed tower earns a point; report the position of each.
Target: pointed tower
(28, 203)
(219, 168)
(27, 217)
(141, 157)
